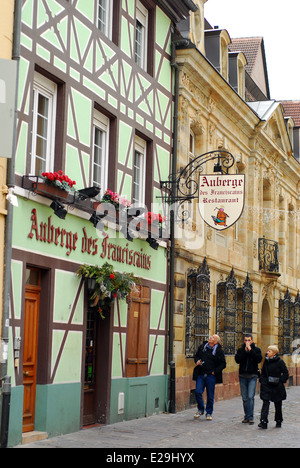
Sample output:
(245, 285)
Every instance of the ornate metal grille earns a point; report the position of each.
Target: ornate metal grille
(268, 255)
(297, 321)
(244, 310)
(234, 312)
(227, 313)
(247, 306)
(285, 324)
(197, 313)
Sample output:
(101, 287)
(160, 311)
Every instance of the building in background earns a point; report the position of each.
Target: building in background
(243, 279)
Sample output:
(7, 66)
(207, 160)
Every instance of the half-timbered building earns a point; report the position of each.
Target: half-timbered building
(95, 102)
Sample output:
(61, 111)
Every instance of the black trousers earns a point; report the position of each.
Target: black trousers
(265, 411)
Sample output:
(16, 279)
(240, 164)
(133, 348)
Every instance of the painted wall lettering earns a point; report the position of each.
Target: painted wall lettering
(46, 232)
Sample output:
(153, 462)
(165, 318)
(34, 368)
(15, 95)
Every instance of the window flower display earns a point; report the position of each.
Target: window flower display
(59, 179)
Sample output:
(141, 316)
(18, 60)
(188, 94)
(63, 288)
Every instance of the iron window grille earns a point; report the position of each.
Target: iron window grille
(198, 306)
(234, 312)
(296, 343)
(268, 255)
(288, 323)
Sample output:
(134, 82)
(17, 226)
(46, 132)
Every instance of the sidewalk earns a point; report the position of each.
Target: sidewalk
(182, 431)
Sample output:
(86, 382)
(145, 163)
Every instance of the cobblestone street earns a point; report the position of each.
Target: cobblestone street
(175, 431)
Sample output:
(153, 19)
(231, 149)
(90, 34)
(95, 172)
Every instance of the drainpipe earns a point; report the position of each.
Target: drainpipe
(172, 400)
(10, 181)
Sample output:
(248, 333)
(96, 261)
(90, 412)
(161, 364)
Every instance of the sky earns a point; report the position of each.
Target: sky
(277, 21)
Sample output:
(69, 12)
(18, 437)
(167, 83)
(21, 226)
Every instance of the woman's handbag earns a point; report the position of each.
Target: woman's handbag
(273, 380)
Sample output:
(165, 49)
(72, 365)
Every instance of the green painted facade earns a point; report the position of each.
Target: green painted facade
(61, 42)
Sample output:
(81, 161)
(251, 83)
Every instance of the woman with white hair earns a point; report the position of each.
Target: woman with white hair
(274, 375)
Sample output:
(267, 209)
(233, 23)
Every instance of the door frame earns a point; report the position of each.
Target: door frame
(103, 366)
(34, 290)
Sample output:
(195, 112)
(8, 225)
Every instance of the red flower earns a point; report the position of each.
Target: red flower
(112, 276)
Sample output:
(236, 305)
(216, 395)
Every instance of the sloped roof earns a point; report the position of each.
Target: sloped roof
(264, 109)
(251, 47)
(254, 51)
(292, 109)
(177, 10)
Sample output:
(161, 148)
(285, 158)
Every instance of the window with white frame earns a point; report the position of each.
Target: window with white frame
(100, 151)
(104, 17)
(141, 32)
(139, 164)
(43, 124)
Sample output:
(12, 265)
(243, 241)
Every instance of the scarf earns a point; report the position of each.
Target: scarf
(214, 348)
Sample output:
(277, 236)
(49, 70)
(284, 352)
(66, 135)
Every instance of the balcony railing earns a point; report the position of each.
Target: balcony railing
(268, 255)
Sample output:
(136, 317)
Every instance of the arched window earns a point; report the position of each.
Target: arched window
(297, 321)
(197, 308)
(234, 312)
(285, 324)
(244, 310)
(227, 313)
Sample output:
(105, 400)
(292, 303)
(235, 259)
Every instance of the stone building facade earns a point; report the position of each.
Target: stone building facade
(245, 278)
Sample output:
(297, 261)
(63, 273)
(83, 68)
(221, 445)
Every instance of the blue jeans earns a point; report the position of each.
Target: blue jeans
(248, 389)
(208, 382)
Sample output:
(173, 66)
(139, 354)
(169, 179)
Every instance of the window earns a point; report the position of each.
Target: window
(285, 324)
(104, 18)
(139, 164)
(227, 313)
(244, 310)
(43, 127)
(100, 151)
(141, 32)
(297, 322)
(197, 308)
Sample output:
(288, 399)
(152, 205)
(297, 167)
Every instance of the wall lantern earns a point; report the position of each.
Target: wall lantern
(58, 209)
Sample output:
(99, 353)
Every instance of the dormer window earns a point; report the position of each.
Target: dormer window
(237, 63)
(224, 41)
(216, 47)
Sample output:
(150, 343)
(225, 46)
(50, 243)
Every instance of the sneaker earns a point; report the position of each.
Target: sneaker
(208, 417)
(198, 414)
(245, 421)
(251, 422)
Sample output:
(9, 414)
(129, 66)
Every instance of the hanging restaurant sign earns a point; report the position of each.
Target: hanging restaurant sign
(221, 199)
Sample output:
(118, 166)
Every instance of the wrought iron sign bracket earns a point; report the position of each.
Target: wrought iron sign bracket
(184, 186)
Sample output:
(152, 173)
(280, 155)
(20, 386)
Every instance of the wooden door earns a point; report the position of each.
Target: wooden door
(30, 345)
(138, 333)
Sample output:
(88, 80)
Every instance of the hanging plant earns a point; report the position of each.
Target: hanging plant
(108, 284)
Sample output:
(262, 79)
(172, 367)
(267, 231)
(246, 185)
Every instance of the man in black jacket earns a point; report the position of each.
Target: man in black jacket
(248, 357)
(210, 362)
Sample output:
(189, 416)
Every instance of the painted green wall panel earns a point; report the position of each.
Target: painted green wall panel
(58, 408)
(66, 285)
(15, 416)
(157, 351)
(83, 114)
(116, 355)
(144, 396)
(86, 8)
(157, 304)
(72, 353)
